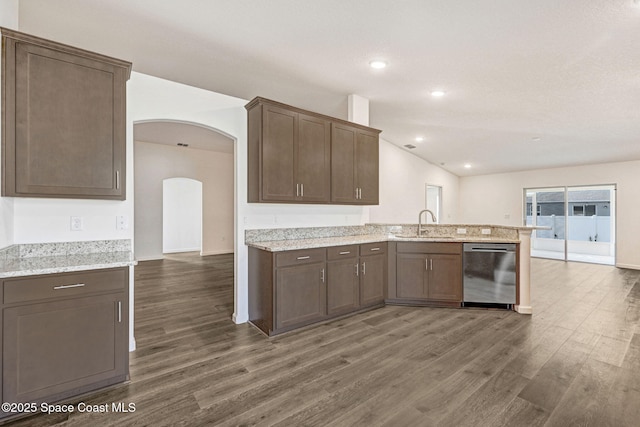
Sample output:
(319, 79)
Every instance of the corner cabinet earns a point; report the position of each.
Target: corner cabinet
(427, 273)
(63, 120)
(298, 156)
(64, 334)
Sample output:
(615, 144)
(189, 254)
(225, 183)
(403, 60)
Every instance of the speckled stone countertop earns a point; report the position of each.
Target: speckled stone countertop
(277, 240)
(50, 258)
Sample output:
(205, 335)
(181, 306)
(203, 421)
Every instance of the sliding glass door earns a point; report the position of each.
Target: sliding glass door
(579, 223)
(545, 208)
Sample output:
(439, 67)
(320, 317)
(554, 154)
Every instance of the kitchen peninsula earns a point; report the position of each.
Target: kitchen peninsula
(301, 276)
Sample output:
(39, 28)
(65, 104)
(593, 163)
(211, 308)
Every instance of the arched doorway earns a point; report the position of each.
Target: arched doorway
(169, 149)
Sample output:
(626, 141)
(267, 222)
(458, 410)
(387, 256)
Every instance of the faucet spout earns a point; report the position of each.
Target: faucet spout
(433, 218)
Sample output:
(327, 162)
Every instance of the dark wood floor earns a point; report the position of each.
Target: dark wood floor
(576, 361)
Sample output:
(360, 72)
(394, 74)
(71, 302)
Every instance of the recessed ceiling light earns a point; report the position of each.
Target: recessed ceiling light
(378, 64)
(467, 166)
(419, 138)
(437, 93)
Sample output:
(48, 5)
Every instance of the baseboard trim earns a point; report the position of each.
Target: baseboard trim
(177, 251)
(239, 319)
(629, 266)
(524, 309)
(220, 252)
(150, 258)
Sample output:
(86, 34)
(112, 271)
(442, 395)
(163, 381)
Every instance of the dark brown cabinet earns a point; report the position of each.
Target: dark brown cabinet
(428, 272)
(64, 334)
(291, 289)
(63, 120)
(354, 165)
(373, 273)
(297, 156)
(343, 281)
(287, 289)
(289, 155)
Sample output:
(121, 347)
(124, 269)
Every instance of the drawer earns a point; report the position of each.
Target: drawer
(373, 248)
(62, 285)
(429, 247)
(341, 252)
(304, 256)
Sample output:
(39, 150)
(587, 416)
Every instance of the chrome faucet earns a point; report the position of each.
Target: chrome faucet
(433, 218)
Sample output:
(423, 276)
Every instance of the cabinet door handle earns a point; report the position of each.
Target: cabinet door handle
(431, 264)
(345, 253)
(297, 190)
(356, 193)
(360, 191)
(117, 180)
(76, 285)
(426, 264)
(322, 275)
(303, 257)
(119, 311)
(374, 249)
(357, 270)
(364, 268)
(301, 190)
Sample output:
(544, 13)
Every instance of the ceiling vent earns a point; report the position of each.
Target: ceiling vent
(410, 146)
(180, 144)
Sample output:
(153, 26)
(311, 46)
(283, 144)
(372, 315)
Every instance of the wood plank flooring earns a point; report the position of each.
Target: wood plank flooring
(576, 361)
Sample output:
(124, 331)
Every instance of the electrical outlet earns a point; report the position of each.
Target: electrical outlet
(462, 231)
(122, 222)
(76, 223)
(486, 231)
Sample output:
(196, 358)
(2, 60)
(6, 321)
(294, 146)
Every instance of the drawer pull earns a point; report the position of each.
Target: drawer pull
(77, 285)
(303, 257)
(374, 249)
(345, 253)
(364, 268)
(119, 311)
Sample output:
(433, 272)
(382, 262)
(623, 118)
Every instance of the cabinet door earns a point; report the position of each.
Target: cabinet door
(445, 277)
(411, 276)
(343, 157)
(61, 348)
(301, 295)
(367, 167)
(280, 128)
(65, 124)
(313, 159)
(372, 279)
(343, 293)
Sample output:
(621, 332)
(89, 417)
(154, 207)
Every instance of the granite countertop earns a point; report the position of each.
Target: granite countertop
(50, 258)
(322, 242)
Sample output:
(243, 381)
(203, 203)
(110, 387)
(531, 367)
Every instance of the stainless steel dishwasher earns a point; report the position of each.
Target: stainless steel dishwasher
(489, 274)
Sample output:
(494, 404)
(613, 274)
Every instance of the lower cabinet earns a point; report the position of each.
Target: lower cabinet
(301, 294)
(428, 273)
(291, 289)
(64, 334)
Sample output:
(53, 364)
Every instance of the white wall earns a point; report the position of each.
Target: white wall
(155, 163)
(182, 215)
(403, 179)
(497, 199)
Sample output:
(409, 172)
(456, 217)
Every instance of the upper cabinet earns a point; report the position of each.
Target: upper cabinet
(63, 121)
(354, 165)
(297, 156)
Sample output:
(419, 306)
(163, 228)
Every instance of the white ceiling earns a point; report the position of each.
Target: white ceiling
(566, 72)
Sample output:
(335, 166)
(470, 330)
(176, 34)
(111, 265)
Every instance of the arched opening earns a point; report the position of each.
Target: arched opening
(181, 215)
(165, 150)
